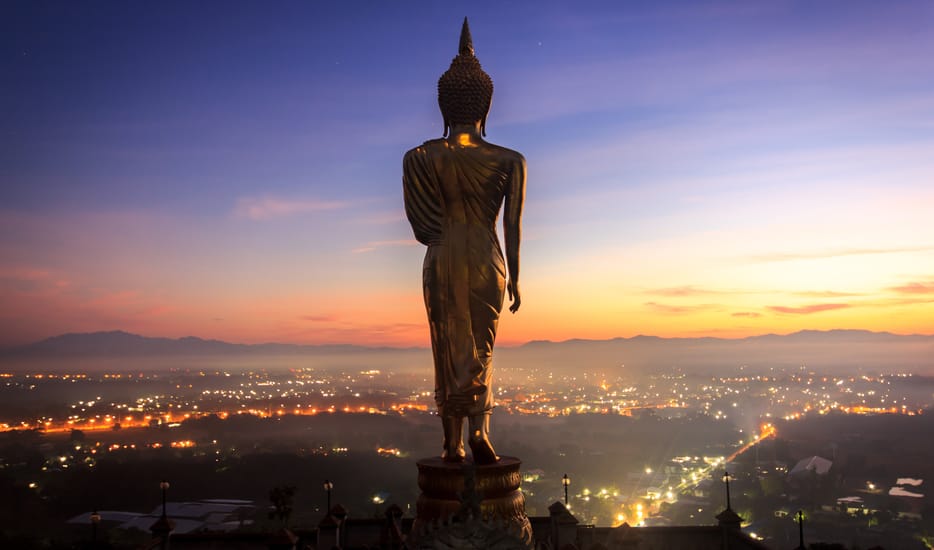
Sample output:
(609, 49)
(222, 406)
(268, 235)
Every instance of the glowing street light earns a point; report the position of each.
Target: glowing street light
(328, 486)
(377, 500)
(163, 526)
(566, 481)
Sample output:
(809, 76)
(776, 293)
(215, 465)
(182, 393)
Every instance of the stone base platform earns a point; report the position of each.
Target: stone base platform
(459, 493)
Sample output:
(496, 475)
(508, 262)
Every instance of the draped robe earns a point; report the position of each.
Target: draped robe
(453, 195)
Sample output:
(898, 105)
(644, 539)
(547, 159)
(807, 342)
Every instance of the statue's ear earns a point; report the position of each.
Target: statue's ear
(483, 120)
(447, 128)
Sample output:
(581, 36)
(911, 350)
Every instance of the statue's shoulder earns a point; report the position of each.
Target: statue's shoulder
(504, 152)
(426, 148)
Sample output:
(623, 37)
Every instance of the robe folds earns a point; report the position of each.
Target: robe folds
(453, 194)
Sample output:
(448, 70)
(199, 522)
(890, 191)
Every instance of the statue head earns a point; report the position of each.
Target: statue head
(465, 90)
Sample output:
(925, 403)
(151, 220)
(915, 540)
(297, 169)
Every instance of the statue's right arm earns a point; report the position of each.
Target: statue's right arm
(512, 228)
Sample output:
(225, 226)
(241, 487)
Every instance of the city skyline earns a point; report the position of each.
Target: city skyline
(720, 170)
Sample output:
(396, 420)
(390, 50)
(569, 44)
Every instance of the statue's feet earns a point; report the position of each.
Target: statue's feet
(456, 455)
(479, 440)
(483, 453)
(453, 446)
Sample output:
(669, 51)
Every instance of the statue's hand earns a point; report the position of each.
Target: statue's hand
(513, 287)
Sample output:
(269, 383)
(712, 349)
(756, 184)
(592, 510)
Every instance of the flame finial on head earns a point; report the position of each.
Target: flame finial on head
(465, 90)
(466, 46)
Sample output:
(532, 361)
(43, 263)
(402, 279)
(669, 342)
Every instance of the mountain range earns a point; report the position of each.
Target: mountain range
(118, 343)
(835, 350)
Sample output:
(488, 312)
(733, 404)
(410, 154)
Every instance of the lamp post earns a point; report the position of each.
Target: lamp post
(566, 481)
(164, 485)
(800, 530)
(726, 480)
(162, 528)
(95, 519)
(327, 488)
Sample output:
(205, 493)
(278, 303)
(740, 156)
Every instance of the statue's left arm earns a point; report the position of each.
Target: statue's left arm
(420, 193)
(512, 228)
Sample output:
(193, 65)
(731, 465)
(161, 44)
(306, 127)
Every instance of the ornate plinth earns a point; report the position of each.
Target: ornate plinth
(468, 506)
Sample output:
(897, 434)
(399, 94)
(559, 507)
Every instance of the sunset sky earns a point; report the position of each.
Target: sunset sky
(232, 170)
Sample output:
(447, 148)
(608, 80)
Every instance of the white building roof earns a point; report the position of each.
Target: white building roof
(899, 492)
(819, 464)
(204, 515)
(909, 481)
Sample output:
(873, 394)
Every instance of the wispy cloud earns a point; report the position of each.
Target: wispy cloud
(319, 318)
(681, 291)
(838, 253)
(130, 303)
(826, 294)
(383, 218)
(709, 69)
(23, 273)
(807, 310)
(670, 309)
(914, 288)
(910, 300)
(263, 208)
(373, 245)
(750, 314)
(32, 279)
(691, 290)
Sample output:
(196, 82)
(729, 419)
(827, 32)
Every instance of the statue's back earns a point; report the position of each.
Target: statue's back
(454, 188)
(470, 182)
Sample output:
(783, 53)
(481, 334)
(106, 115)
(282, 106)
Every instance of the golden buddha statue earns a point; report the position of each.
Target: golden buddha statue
(454, 188)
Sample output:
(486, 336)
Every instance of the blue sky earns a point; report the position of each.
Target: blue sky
(233, 169)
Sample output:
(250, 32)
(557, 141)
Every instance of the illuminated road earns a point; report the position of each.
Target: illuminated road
(768, 430)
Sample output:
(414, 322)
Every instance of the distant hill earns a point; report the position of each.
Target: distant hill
(119, 343)
(124, 344)
(828, 350)
(119, 351)
(834, 350)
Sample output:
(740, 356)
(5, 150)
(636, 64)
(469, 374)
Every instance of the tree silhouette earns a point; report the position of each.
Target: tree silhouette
(283, 499)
